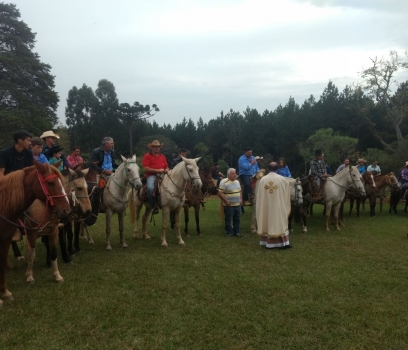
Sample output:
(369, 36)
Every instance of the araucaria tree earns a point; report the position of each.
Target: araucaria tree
(27, 96)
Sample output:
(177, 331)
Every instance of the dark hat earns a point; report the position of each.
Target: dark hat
(318, 152)
(55, 149)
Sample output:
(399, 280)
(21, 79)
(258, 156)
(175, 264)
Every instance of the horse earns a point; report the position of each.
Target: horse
(395, 198)
(310, 190)
(172, 188)
(335, 189)
(18, 190)
(80, 205)
(382, 182)
(115, 195)
(353, 194)
(296, 200)
(194, 199)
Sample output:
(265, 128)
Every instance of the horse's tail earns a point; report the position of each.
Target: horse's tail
(132, 206)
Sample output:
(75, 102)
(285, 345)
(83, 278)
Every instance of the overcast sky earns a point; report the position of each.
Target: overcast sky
(196, 58)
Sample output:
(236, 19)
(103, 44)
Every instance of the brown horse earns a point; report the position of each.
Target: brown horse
(194, 199)
(18, 191)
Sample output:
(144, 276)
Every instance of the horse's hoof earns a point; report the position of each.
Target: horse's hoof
(181, 243)
(9, 296)
(30, 280)
(146, 237)
(164, 245)
(135, 236)
(108, 247)
(1, 304)
(91, 241)
(21, 257)
(58, 279)
(124, 245)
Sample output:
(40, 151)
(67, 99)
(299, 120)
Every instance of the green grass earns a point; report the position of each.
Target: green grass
(333, 290)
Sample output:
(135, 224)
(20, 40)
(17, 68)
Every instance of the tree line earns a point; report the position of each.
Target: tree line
(363, 120)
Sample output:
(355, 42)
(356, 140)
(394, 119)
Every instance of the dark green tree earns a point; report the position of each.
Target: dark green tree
(27, 96)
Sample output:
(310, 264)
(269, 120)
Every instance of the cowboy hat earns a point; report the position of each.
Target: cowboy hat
(55, 149)
(318, 152)
(49, 133)
(155, 143)
(258, 157)
(361, 160)
(406, 163)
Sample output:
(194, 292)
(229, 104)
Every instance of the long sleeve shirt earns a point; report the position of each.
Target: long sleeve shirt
(317, 168)
(245, 166)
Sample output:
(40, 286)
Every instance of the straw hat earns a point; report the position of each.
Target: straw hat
(258, 157)
(155, 143)
(361, 160)
(49, 133)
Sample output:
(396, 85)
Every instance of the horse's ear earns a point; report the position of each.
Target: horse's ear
(134, 158)
(72, 174)
(85, 171)
(123, 158)
(197, 159)
(57, 164)
(183, 158)
(40, 167)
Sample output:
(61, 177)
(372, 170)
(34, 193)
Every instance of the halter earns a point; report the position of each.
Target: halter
(297, 191)
(354, 182)
(191, 178)
(49, 198)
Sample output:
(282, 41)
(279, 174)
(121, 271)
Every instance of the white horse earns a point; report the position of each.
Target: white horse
(172, 194)
(296, 201)
(115, 198)
(335, 189)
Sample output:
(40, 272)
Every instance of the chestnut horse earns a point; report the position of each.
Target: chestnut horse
(18, 191)
(74, 182)
(194, 199)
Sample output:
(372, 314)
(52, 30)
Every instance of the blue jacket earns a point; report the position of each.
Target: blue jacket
(245, 167)
(284, 172)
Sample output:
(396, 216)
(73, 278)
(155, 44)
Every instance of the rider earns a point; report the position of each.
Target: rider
(374, 167)
(318, 170)
(404, 180)
(182, 153)
(343, 166)
(216, 173)
(247, 167)
(105, 158)
(154, 163)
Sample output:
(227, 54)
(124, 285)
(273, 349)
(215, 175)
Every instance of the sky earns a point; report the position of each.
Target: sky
(197, 58)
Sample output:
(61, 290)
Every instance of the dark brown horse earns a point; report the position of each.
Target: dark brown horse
(18, 191)
(194, 199)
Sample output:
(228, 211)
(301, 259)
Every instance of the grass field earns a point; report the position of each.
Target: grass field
(333, 290)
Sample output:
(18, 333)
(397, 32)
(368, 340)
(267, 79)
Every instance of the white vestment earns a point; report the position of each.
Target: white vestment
(272, 205)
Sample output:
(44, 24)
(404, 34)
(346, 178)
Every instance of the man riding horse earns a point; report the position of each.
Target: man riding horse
(318, 170)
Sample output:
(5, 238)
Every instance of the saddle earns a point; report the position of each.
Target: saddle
(142, 193)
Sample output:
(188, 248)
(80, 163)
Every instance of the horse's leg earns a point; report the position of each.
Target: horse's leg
(88, 235)
(197, 217)
(290, 218)
(31, 238)
(108, 216)
(336, 216)
(121, 217)
(165, 219)
(138, 208)
(4, 249)
(253, 221)
(145, 217)
(311, 209)
(178, 215)
(304, 218)
(63, 245)
(52, 242)
(186, 219)
(70, 237)
(77, 230)
(352, 205)
(44, 239)
(16, 251)
(327, 215)
(358, 201)
(406, 205)
(381, 204)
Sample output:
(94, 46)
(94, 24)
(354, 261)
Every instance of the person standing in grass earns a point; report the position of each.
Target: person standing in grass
(231, 196)
(273, 209)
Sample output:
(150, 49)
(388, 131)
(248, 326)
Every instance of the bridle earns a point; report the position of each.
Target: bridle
(127, 175)
(48, 196)
(298, 192)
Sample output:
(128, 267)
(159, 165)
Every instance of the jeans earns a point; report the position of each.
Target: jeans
(246, 179)
(218, 180)
(150, 188)
(232, 214)
(403, 188)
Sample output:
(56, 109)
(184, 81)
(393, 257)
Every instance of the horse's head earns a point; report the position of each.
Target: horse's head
(393, 182)
(206, 179)
(191, 173)
(356, 179)
(49, 188)
(368, 179)
(297, 198)
(132, 172)
(79, 191)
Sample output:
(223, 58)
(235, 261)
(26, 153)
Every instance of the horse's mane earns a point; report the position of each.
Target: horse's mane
(12, 191)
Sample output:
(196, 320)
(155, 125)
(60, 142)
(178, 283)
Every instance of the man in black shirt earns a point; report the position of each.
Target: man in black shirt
(182, 153)
(18, 156)
(14, 158)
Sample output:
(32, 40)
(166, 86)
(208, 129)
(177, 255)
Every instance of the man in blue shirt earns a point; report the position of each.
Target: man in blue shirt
(105, 156)
(247, 167)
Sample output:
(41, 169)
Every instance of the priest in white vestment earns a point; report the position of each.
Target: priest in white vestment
(273, 209)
